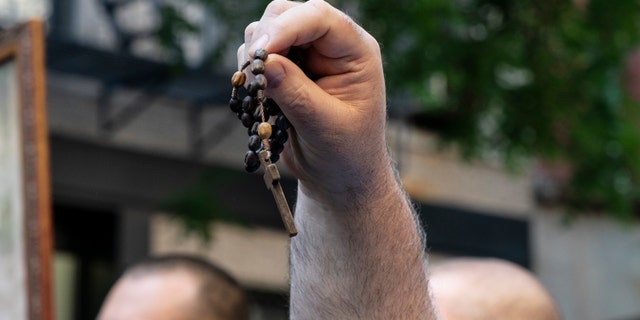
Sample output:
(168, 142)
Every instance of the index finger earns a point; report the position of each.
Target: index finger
(332, 33)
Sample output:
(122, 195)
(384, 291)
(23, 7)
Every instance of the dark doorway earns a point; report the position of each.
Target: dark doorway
(85, 246)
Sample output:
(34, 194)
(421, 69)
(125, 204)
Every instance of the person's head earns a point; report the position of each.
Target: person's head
(478, 289)
(175, 287)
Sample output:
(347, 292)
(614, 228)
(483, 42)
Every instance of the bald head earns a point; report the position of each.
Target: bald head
(175, 287)
(478, 289)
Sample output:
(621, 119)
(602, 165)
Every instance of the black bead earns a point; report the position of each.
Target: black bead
(235, 104)
(253, 88)
(248, 104)
(261, 54)
(274, 157)
(282, 122)
(281, 136)
(271, 106)
(254, 142)
(251, 161)
(247, 120)
(257, 67)
(254, 128)
(275, 146)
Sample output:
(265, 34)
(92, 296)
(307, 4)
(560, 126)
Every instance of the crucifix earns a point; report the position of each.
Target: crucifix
(272, 180)
(266, 139)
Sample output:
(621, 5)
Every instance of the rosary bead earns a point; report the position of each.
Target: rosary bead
(254, 128)
(247, 120)
(271, 106)
(261, 54)
(275, 146)
(264, 130)
(254, 142)
(281, 136)
(235, 104)
(257, 67)
(248, 104)
(251, 161)
(238, 79)
(282, 122)
(254, 111)
(260, 82)
(253, 88)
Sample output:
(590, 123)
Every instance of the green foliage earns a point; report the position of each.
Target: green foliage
(526, 78)
(231, 19)
(174, 26)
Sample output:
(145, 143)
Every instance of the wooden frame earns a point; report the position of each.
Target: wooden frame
(25, 203)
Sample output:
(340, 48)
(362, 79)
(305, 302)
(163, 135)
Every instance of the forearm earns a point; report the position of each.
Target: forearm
(358, 253)
(361, 260)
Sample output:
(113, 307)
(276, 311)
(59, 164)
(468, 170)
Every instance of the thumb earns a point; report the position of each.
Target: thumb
(305, 104)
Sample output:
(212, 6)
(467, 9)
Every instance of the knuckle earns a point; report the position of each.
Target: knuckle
(248, 31)
(240, 52)
(371, 42)
(320, 5)
(275, 8)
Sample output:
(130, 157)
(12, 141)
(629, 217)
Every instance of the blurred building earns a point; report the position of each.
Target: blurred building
(128, 135)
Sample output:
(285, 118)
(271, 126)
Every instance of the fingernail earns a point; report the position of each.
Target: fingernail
(261, 43)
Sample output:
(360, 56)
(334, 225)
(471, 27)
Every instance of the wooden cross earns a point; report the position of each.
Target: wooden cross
(272, 180)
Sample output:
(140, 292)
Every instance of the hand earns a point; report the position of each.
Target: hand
(359, 252)
(338, 141)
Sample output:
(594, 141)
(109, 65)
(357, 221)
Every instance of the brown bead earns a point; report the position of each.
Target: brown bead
(238, 79)
(257, 66)
(261, 54)
(260, 82)
(264, 130)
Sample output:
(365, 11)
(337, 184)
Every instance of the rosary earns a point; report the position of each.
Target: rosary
(266, 139)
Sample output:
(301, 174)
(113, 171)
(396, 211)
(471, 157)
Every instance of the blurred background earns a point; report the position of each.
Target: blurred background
(514, 124)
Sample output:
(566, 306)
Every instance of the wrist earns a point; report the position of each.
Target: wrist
(365, 190)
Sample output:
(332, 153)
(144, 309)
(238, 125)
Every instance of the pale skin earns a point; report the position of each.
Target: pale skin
(175, 286)
(478, 289)
(173, 295)
(359, 253)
